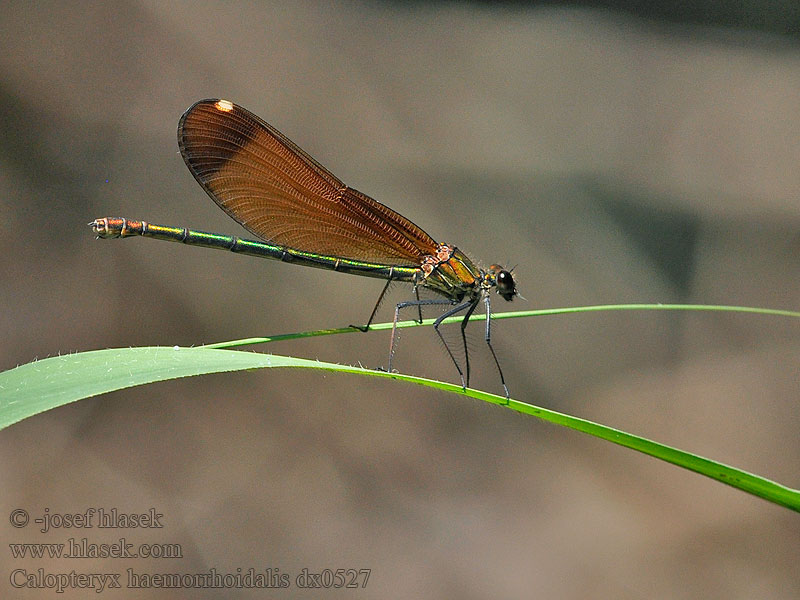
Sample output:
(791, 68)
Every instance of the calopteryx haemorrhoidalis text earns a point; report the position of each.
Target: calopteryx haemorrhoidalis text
(306, 216)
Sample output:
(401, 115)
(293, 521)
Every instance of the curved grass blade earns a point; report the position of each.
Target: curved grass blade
(775, 312)
(39, 386)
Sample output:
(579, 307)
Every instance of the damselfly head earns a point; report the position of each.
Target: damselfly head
(504, 281)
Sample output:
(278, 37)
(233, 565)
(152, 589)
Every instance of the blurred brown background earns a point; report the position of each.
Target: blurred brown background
(614, 156)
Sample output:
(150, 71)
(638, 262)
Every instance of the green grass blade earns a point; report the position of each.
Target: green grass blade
(516, 315)
(42, 385)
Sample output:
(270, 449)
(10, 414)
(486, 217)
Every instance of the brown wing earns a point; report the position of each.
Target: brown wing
(282, 195)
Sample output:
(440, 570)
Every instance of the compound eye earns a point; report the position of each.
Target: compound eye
(505, 285)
